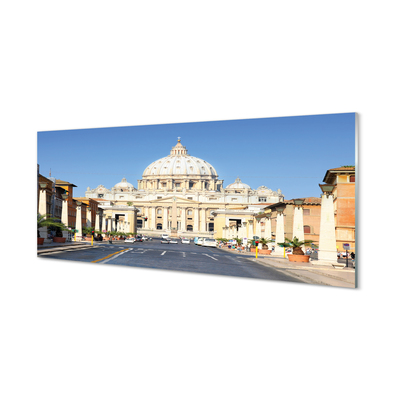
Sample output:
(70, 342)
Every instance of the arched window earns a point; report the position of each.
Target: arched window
(190, 212)
(190, 228)
(159, 211)
(307, 229)
(159, 226)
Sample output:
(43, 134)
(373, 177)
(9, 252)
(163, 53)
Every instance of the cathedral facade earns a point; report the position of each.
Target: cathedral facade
(178, 195)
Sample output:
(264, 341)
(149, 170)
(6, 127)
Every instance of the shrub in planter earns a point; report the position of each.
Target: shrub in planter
(298, 254)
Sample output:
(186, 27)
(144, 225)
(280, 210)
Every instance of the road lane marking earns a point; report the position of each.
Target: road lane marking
(184, 254)
(210, 256)
(110, 255)
(163, 253)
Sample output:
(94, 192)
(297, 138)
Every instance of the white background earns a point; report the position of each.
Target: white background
(82, 331)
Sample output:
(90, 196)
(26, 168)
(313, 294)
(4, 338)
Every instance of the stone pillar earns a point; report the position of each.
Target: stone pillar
(267, 228)
(153, 218)
(327, 253)
(42, 200)
(258, 227)
(88, 217)
(196, 220)
(165, 218)
(280, 233)
(64, 210)
(223, 232)
(203, 227)
(78, 224)
(97, 222)
(298, 228)
(103, 225)
(183, 219)
(251, 230)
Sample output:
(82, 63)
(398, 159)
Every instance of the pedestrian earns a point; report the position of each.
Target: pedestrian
(352, 255)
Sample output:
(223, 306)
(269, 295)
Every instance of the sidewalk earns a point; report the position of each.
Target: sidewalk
(51, 246)
(307, 272)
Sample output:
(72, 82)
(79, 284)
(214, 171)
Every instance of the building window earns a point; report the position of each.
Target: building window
(190, 212)
(262, 199)
(159, 226)
(190, 198)
(177, 185)
(307, 229)
(234, 199)
(352, 178)
(159, 197)
(164, 185)
(190, 228)
(159, 211)
(306, 211)
(101, 196)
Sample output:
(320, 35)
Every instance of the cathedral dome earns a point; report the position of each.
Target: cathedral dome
(123, 184)
(179, 162)
(238, 184)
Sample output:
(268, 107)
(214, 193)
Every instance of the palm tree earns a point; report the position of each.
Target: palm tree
(265, 242)
(47, 220)
(296, 244)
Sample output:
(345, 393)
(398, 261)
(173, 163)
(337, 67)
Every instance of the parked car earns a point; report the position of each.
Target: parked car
(173, 241)
(164, 236)
(145, 238)
(195, 240)
(207, 242)
(185, 241)
(130, 240)
(200, 241)
(139, 239)
(165, 240)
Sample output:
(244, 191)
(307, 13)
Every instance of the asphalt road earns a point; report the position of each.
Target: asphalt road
(176, 257)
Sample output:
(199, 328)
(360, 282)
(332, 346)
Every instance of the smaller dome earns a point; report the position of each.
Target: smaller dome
(238, 184)
(123, 184)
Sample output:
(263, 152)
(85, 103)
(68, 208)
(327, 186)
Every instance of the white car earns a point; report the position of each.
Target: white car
(209, 242)
(185, 241)
(164, 236)
(173, 241)
(165, 240)
(200, 241)
(130, 240)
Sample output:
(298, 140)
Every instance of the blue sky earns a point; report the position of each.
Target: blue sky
(287, 153)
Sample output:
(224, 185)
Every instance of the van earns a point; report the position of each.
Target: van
(195, 240)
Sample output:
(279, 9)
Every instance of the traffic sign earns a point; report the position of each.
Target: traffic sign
(346, 246)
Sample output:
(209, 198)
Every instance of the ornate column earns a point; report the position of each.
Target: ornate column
(280, 231)
(78, 224)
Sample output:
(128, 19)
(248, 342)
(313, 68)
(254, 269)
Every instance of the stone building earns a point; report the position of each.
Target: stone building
(177, 194)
